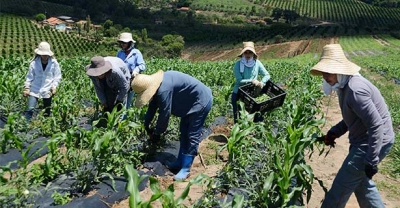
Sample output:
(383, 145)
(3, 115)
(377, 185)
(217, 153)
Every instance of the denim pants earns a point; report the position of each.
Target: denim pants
(236, 108)
(190, 128)
(130, 98)
(351, 178)
(32, 102)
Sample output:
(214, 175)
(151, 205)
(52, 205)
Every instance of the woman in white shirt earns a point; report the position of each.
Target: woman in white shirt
(42, 80)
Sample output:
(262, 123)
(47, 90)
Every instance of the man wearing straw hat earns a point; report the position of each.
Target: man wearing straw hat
(367, 119)
(181, 95)
(246, 70)
(111, 79)
(132, 57)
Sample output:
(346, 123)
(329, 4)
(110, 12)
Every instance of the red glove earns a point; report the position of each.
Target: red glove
(328, 139)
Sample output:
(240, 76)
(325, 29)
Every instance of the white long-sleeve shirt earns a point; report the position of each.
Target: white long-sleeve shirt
(41, 81)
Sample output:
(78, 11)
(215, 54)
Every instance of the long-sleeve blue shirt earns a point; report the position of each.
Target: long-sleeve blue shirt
(134, 60)
(249, 74)
(365, 116)
(180, 95)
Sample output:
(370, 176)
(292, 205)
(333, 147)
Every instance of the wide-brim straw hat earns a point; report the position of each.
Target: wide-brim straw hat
(146, 86)
(98, 66)
(248, 46)
(334, 61)
(44, 49)
(126, 38)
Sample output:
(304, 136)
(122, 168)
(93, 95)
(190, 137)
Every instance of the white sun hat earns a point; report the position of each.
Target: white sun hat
(248, 46)
(44, 49)
(146, 86)
(126, 38)
(334, 61)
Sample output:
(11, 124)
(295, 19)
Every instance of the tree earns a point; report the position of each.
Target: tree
(107, 24)
(290, 16)
(144, 35)
(173, 45)
(253, 10)
(277, 14)
(87, 24)
(40, 17)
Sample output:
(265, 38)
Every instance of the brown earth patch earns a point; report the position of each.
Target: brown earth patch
(264, 51)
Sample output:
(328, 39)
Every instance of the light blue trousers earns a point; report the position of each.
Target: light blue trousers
(32, 102)
(351, 178)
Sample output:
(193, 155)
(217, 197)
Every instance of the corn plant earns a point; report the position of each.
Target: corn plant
(166, 197)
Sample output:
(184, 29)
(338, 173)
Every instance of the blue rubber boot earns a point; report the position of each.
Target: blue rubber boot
(187, 161)
(177, 164)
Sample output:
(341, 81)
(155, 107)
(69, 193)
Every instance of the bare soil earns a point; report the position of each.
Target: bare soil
(265, 51)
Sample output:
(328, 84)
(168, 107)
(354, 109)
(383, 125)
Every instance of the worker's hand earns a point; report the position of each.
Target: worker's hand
(134, 73)
(53, 91)
(155, 139)
(149, 131)
(257, 83)
(106, 108)
(370, 170)
(328, 139)
(26, 92)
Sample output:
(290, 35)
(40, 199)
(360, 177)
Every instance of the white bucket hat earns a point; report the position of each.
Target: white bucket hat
(98, 66)
(126, 38)
(248, 46)
(334, 61)
(146, 86)
(44, 49)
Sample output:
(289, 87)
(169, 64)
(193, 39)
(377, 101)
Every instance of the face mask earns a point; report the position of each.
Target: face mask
(342, 81)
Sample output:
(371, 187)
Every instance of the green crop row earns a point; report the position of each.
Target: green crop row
(20, 36)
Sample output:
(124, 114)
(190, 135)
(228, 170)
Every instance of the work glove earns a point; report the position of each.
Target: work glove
(257, 83)
(26, 92)
(328, 139)
(155, 139)
(106, 108)
(149, 131)
(53, 91)
(370, 170)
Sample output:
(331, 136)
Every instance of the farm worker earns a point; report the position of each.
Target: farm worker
(133, 59)
(111, 79)
(42, 80)
(178, 94)
(246, 70)
(367, 119)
